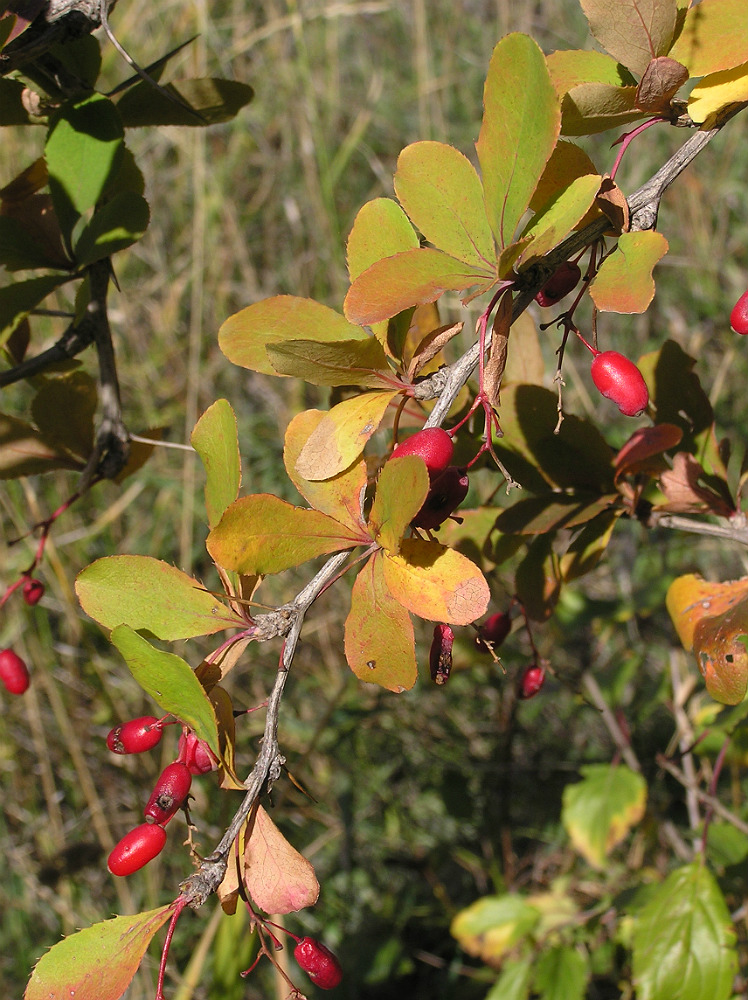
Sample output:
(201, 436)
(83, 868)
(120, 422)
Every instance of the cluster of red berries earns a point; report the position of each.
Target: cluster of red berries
(448, 483)
(145, 841)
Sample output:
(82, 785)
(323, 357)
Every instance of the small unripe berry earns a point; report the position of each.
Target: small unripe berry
(137, 848)
(532, 681)
(739, 315)
(559, 284)
(440, 655)
(445, 495)
(33, 591)
(13, 672)
(433, 445)
(170, 792)
(195, 754)
(135, 736)
(319, 963)
(494, 630)
(619, 379)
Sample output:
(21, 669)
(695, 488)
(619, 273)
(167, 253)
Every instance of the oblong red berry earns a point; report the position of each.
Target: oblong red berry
(444, 497)
(433, 445)
(136, 849)
(739, 315)
(195, 754)
(494, 630)
(33, 591)
(135, 736)
(169, 793)
(319, 963)
(559, 284)
(618, 378)
(440, 655)
(532, 681)
(13, 672)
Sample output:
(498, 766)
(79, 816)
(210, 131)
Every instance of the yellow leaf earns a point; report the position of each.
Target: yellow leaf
(717, 91)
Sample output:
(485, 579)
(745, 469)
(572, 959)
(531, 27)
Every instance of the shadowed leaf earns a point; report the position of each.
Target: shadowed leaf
(214, 100)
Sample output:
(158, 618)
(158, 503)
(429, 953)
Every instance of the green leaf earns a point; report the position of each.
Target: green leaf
(411, 278)
(347, 362)
(151, 596)
(684, 941)
(12, 111)
(587, 549)
(521, 122)
(244, 336)
(24, 450)
(215, 439)
(83, 153)
(379, 642)
(170, 681)
(557, 218)
(599, 810)
(116, 225)
(590, 108)
(18, 299)
(381, 229)
(624, 283)
(436, 583)
(441, 192)
(536, 581)
(633, 31)
(401, 490)
(339, 438)
(97, 963)
(213, 99)
(570, 67)
(494, 925)
(561, 974)
(263, 534)
(714, 37)
(514, 981)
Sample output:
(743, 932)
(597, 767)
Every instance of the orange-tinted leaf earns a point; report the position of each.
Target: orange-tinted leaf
(379, 644)
(567, 163)
(431, 346)
(644, 445)
(442, 194)
(411, 278)
(718, 91)
(624, 283)
(214, 438)
(245, 335)
(684, 493)
(633, 31)
(263, 534)
(401, 490)
(339, 438)
(662, 80)
(436, 583)
(521, 122)
(714, 37)
(347, 362)
(691, 598)
(276, 876)
(340, 496)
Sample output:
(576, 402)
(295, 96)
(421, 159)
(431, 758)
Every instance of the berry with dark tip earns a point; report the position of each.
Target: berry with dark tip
(136, 849)
(618, 378)
(319, 963)
(135, 736)
(559, 284)
(433, 445)
(13, 672)
(33, 591)
(171, 790)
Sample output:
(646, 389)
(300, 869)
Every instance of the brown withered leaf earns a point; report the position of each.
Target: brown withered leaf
(496, 362)
(430, 346)
(612, 201)
(662, 79)
(684, 494)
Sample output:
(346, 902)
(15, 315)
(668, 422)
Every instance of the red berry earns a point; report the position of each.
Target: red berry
(445, 495)
(619, 379)
(319, 963)
(739, 315)
(135, 736)
(13, 672)
(33, 591)
(170, 792)
(195, 754)
(433, 445)
(532, 681)
(494, 630)
(440, 656)
(559, 284)
(136, 849)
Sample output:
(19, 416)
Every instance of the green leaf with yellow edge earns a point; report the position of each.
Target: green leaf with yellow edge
(379, 641)
(244, 336)
(624, 283)
(119, 223)
(401, 490)
(712, 619)
(557, 218)
(264, 534)
(149, 595)
(590, 108)
(562, 973)
(521, 122)
(339, 438)
(215, 439)
(441, 192)
(633, 31)
(493, 926)
(342, 495)
(170, 681)
(99, 962)
(436, 583)
(599, 810)
(347, 362)
(684, 940)
(570, 67)
(718, 91)
(411, 278)
(714, 37)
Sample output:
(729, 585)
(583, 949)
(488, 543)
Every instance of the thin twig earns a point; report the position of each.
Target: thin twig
(702, 796)
(598, 700)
